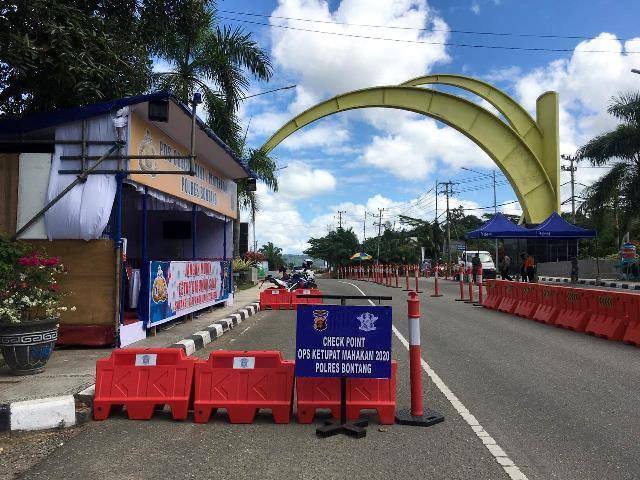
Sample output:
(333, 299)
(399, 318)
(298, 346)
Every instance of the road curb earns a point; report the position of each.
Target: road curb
(625, 286)
(71, 410)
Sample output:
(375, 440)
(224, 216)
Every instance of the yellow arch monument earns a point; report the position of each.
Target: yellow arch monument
(524, 159)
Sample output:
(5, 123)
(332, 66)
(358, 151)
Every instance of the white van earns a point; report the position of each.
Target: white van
(488, 267)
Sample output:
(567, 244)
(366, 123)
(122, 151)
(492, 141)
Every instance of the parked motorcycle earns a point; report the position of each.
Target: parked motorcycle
(298, 279)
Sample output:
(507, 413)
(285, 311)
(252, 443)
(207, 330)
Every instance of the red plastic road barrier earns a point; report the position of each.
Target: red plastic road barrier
(242, 383)
(377, 394)
(362, 394)
(527, 304)
(573, 313)
(275, 299)
(609, 314)
(547, 310)
(296, 300)
(509, 300)
(492, 299)
(436, 289)
(141, 379)
(461, 278)
(632, 334)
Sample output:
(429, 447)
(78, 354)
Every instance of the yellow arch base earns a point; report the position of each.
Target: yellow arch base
(500, 141)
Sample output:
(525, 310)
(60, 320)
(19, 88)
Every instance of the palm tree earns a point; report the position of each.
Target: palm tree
(273, 255)
(215, 61)
(617, 192)
(212, 60)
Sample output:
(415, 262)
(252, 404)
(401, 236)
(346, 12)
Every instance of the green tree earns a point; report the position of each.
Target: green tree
(273, 255)
(616, 195)
(214, 60)
(335, 248)
(62, 53)
(217, 62)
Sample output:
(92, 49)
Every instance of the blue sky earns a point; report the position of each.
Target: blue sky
(364, 160)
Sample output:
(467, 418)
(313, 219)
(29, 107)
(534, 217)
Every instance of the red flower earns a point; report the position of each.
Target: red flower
(51, 261)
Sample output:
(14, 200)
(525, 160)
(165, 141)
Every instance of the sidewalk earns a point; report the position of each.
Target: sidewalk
(604, 282)
(72, 370)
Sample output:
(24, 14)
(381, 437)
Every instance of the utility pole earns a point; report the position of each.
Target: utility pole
(380, 210)
(364, 228)
(448, 191)
(435, 219)
(495, 210)
(340, 212)
(572, 170)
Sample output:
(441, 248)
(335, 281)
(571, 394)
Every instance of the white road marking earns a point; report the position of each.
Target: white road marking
(498, 453)
(245, 330)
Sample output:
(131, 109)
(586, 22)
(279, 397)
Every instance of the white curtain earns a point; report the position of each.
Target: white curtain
(83, 213)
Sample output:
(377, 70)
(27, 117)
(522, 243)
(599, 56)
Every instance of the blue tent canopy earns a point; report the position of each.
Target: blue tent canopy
(500, 227)
(557, 227)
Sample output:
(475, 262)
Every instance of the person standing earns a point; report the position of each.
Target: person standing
(530, 267)
(506, 265)
(523, 268)
(476, 266)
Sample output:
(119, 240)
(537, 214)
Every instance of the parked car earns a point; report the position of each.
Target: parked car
(488, 267)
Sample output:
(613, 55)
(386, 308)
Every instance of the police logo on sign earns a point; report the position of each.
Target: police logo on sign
(320, 320)
(367, 322)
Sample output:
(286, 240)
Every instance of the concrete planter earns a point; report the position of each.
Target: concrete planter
(249, 276)
(27, 347)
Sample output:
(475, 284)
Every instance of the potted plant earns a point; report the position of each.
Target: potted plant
(241, 269)
(30, 306)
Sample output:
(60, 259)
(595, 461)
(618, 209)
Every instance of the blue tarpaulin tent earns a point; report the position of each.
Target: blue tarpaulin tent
(500, 227)
(557, 227)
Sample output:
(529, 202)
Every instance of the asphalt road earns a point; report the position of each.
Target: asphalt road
(560, 404)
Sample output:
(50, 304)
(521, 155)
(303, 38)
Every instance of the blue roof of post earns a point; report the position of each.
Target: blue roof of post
(39, 121)
(557, 227)
(500, 226)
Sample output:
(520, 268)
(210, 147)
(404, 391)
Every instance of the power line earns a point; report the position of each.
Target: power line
(427, 42)
(397, 27)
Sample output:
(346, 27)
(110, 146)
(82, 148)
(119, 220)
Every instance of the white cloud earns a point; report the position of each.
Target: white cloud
(299, 180)
(326, 134)
(475, 8)
(414, 146)
(330, 64)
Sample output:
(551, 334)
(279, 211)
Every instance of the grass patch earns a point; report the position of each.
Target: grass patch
(244, 286)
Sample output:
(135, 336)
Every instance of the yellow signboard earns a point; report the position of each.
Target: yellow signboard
(206, 188)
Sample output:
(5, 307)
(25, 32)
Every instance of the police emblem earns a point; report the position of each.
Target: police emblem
(159, 291)
(367, 322)
(320, 320)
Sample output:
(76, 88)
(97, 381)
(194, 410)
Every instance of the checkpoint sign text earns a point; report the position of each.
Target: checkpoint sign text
(343, 341)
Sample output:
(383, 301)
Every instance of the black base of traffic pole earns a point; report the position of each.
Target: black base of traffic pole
(476, 304)
(355, 429)
(428, 418)
(461, 300)
(434, 295)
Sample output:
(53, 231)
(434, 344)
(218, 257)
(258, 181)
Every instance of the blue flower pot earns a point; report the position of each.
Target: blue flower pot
(27, 347)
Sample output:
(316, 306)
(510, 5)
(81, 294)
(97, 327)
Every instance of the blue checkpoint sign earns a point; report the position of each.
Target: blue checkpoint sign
(343, 341)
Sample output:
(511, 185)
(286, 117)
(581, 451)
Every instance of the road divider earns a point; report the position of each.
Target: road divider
(603, 313)
(242, 382)
(379, 394)
(281, 299)
(140, 379)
